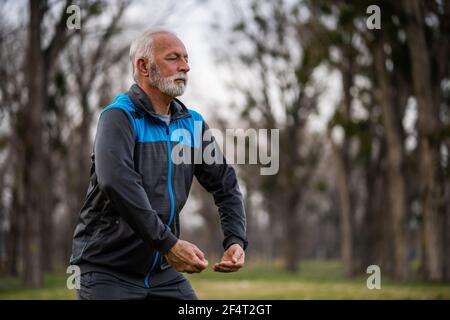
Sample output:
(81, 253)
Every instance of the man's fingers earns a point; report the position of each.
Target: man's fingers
(197, 263)
(227, 266)
(194, 265)
(237, 256)
(200, 264)
(187, 257)
(230, 264)
(219, 268)
(200, 256)
(199, 253)
(191, 269)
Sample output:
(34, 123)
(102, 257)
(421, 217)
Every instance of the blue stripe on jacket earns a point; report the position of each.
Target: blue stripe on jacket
(186, 131)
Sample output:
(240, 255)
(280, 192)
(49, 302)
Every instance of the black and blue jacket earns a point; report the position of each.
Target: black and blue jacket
(130, 217)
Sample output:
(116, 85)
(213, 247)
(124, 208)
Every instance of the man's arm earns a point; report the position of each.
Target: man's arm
(220, 180)
(117, 178)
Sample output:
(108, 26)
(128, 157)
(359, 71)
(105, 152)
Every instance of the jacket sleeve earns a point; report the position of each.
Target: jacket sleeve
(219, 179)
(117, 178)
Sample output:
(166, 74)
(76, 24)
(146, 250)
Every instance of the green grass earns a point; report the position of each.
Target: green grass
(316, 280)
(54, 289)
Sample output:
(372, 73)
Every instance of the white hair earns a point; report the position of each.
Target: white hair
(142, 46)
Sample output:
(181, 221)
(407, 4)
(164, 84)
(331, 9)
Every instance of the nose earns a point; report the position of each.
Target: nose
(184, 66)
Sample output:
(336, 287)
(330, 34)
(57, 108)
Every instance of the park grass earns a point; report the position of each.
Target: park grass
(316, 280)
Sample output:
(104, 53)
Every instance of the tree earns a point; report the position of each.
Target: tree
(362, 55)
(269, 50)
(431, 189)
(91, 58)
(33, 200)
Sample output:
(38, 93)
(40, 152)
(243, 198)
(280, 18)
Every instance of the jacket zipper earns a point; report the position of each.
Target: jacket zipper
(169, 178)
(172, 202)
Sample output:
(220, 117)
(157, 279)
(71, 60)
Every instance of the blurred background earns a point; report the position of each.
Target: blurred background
(362, 100)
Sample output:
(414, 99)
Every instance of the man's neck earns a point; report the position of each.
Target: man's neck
(159, 100)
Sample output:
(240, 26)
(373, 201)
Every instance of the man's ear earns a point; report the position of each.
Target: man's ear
(142, 67)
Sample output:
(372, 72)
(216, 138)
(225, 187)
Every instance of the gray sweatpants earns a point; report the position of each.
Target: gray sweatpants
(167, 284)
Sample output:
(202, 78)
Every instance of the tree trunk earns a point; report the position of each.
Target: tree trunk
(429, 150)
(209, 212)
(341, 157)
(372, 234)
(48, 202)
(345, 211)
(77, 174)
(13, 242)
(34, 183)
(395, 156)
(446, 237)
(292, 229)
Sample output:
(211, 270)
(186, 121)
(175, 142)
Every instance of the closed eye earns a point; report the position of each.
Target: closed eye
(176, 57)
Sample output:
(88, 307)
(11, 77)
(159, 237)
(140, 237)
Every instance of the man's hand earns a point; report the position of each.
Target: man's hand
(233, 259)
(186, 257)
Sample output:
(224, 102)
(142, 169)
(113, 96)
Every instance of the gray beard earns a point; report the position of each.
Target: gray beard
(167, 85)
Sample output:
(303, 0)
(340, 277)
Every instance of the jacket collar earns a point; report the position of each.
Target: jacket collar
(142, 102)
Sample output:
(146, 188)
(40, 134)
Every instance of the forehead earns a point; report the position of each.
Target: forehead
(164, 43)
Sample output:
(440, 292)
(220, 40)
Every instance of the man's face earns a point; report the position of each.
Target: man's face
(168, 71)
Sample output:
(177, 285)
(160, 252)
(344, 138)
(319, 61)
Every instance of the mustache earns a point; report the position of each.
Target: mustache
(179, 76)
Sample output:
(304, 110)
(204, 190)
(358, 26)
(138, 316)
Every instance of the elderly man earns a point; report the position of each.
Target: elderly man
(126, 240)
